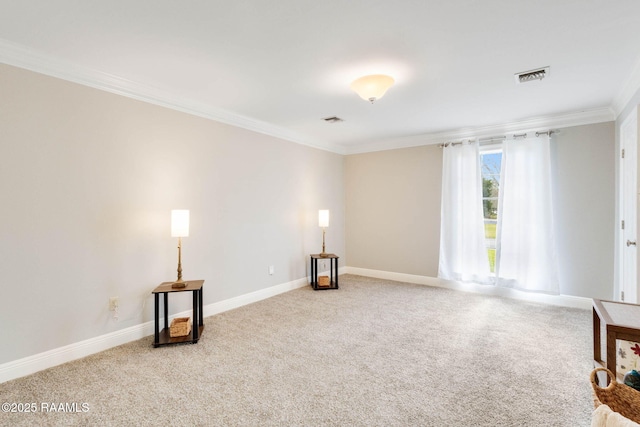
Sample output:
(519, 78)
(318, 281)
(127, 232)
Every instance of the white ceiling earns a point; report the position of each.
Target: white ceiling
(280, 66)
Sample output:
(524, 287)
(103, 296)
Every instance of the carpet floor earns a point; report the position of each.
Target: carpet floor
(373, 353)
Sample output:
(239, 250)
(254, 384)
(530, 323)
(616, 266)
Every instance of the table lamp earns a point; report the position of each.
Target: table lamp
(323, 221)
(179, 229)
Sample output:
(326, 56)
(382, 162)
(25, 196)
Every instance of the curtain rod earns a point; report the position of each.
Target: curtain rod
(462, 141)
(494, 138)
(546, 132)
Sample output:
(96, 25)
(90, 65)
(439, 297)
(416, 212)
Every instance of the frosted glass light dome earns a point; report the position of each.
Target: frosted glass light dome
(373, 87)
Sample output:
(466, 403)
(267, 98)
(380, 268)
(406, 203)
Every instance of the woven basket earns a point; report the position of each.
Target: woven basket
(619, 397)
(180, 327)
(324, 281)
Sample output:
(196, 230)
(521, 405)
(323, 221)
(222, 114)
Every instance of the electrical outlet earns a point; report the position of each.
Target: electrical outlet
(113, 303)
(272, 270)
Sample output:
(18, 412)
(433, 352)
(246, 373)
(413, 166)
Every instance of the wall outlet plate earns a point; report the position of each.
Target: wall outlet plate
(113, 303)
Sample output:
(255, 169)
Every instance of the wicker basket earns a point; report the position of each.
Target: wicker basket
(619, 397)
(180, 327)
(324, 281)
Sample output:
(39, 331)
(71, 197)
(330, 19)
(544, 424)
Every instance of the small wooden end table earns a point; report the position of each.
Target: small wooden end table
(333, 279)
(621, 321)
(161, 338)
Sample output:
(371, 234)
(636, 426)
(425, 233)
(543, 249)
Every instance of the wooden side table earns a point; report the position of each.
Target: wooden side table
(621, 321)
(333, 279)
(161, 338)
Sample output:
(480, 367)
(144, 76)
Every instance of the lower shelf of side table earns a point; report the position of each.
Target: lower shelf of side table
(166, 339)
(317, 287)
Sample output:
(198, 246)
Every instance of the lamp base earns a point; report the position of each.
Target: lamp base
(179, 284)
(324, 255)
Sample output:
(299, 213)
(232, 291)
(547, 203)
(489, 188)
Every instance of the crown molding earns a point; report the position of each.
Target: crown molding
(578, 118)
(628, 91)
(23, 57)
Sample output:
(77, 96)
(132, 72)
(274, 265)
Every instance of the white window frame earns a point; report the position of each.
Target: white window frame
(493, 148)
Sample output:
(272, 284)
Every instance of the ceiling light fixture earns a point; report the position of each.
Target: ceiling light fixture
(373, 87)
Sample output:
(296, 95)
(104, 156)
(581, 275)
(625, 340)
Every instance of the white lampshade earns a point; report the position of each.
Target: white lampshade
(323, 218)
(373, 87)
(179, 223)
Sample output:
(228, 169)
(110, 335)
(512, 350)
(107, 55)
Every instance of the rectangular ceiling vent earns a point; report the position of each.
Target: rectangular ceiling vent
(532, 75)
(333, 119)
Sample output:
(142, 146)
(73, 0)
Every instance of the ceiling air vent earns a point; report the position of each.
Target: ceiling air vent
(532, 75)
(333, 119)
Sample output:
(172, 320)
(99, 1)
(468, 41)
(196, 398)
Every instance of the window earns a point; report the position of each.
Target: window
(497, 215)
(491, 164)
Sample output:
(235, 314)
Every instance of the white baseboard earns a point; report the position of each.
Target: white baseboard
(559, 300)
(57, 356)
(239, 301)
(31, 364)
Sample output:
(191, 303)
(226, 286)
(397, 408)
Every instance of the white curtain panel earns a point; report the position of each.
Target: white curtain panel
(526, 255)
(463, 255)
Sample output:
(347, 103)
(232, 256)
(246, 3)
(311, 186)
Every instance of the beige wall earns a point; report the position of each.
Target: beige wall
(393, 210)
(583, 168)
(88, 179)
